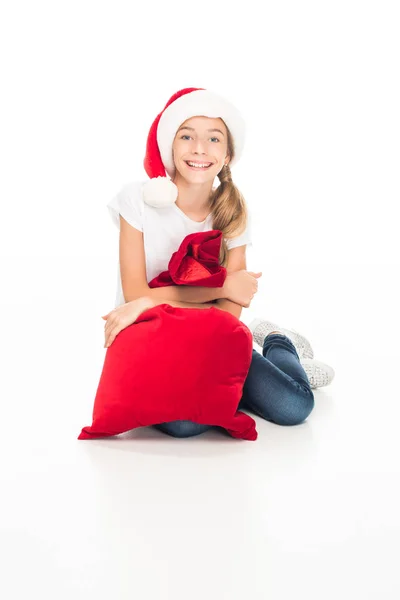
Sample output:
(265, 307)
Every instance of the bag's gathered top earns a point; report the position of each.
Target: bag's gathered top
(184, 104)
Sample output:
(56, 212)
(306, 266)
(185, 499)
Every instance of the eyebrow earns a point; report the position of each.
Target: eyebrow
(192, 129)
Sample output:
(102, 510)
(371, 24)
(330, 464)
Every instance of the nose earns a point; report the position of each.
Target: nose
(198, 146)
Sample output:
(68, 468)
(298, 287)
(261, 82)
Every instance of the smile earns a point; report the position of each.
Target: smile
(198, 166)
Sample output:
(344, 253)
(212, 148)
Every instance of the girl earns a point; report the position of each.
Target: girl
(197, 137)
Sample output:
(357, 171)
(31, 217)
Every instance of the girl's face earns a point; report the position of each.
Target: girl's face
(204, 141)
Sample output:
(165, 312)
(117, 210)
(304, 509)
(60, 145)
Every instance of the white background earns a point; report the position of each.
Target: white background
(311, 510)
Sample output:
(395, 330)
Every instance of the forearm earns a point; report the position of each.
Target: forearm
(186, 293)
(179, 304)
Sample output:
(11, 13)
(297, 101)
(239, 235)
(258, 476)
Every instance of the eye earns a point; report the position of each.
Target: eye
(188, 136)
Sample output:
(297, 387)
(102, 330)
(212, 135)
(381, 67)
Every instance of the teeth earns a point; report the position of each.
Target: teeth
(199, 165)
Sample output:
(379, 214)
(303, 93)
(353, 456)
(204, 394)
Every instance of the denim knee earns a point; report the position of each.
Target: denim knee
(182, 429)
(298, 412)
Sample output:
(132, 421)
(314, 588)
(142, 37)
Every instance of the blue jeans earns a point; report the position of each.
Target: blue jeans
(276, 389)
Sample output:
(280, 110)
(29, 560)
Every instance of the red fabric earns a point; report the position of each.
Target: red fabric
(195, 262)
(178, 363)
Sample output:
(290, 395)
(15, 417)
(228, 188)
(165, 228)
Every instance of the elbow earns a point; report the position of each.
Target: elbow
(231, 307)
(237, 312)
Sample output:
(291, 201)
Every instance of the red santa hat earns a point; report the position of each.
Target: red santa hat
(184, 104)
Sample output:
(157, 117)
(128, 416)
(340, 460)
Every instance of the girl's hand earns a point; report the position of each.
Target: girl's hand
(124, 315)
(241, 286)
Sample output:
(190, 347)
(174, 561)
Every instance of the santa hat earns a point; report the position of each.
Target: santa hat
(186, 103)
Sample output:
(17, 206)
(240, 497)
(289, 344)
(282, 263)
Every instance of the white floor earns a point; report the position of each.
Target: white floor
(310, 511)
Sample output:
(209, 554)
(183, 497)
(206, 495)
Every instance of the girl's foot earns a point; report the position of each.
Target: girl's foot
(318, 373)
(260, 328)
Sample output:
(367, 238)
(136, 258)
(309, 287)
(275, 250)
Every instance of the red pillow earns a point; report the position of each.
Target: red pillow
(177, 363)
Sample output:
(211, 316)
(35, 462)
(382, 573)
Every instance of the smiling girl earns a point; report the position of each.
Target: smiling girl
(197, 138)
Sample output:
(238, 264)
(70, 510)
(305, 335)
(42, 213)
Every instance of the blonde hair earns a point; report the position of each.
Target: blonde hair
(228, 206)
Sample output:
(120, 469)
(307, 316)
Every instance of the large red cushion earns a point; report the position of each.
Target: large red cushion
(177, 363)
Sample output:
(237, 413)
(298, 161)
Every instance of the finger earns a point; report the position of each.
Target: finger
(111, 336)
(109, 325)
(107, 341)
(109, 328)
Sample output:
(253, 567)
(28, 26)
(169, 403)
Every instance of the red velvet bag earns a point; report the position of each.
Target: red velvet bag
(178, 363)
(196, 262)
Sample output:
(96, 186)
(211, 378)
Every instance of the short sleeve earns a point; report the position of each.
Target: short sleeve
(128, 203)
(244, 238)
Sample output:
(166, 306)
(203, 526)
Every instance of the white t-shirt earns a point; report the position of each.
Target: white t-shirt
(163, 229)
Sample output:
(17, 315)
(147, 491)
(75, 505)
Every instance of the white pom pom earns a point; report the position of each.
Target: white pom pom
(159, 192)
